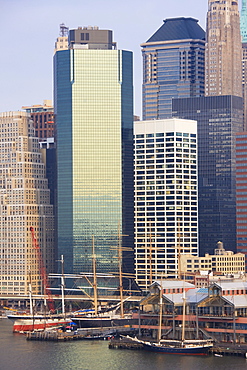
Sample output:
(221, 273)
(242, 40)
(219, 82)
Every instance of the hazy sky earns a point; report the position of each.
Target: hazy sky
(29, 29)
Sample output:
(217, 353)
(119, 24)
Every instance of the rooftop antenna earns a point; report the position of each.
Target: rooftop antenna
(64, 31)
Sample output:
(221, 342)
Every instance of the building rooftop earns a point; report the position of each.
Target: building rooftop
(178, 29)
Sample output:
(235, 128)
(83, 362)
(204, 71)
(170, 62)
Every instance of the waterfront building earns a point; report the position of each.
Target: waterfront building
(219, 118)
(43, 119)
(241, 191)
(222, 261)
(165, 196)
(93, 97)
(173, 66)
(223, 53)
(24, 203)
(218, 311)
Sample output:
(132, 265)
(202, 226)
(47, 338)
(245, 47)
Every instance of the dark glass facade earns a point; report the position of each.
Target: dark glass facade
(219, 119)
(94, 133)
(173, 66)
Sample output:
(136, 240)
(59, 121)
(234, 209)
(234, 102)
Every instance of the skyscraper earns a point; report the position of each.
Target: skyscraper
(219, 118)
(241, 191)
(165, 196)
(24, 202)
(94, 123)
(173, 66)
(223, 55)
(243, 28)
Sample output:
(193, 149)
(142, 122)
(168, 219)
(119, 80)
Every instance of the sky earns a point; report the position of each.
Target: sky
(29, 29)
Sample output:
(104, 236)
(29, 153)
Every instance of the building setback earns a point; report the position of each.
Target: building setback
(173, 66)
(219, 119)
(24, 202)
(165, 196)
(93, 96)
(223, 53)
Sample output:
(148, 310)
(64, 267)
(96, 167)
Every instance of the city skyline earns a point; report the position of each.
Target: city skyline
(26, 73)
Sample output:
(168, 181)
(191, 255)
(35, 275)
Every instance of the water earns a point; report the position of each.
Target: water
(16, 353)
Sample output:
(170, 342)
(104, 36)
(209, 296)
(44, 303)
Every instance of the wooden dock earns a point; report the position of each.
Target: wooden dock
(79, 334)
(124, 343)
(228, 351)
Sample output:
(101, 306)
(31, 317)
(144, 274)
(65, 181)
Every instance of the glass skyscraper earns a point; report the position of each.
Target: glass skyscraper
(94, 133)
(173, 66)
(219, 119)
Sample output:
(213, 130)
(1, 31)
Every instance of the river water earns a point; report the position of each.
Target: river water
(16, 353)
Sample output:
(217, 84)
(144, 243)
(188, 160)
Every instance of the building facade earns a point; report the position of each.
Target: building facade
(222, 261)
(94, 125)
(223, 53)
(241, 191)
(43, 119)
(165, 196)
(243, 29)
(24, 203)
(219, 119)
(173, 66)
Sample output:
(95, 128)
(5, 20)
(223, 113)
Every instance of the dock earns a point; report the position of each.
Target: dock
(228, 351)
(79, 334)
(124, 343)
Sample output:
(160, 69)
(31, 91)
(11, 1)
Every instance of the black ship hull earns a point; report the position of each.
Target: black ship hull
(102, 322)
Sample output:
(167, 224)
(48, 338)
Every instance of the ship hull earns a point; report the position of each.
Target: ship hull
(194, 351)
(28, 323)
(103, 322)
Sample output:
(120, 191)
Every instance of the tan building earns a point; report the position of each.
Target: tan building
(225, 262)
(24, 202)
(62, 40)
(223, 61)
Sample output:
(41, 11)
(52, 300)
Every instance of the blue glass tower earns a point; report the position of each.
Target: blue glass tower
(173, 66)
(94, 133)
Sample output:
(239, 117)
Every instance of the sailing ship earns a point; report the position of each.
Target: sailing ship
(110, 316)
(24, 322)
(179, 347)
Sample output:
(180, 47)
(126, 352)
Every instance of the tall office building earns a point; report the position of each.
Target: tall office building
(243, 29)
(165, 197)
(24, 202)
(223, 55)
(173, 66)
(219, 119)
(94, 125)
(241, 191)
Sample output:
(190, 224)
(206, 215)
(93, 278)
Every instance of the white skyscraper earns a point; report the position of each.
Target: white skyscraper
(165, 196)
